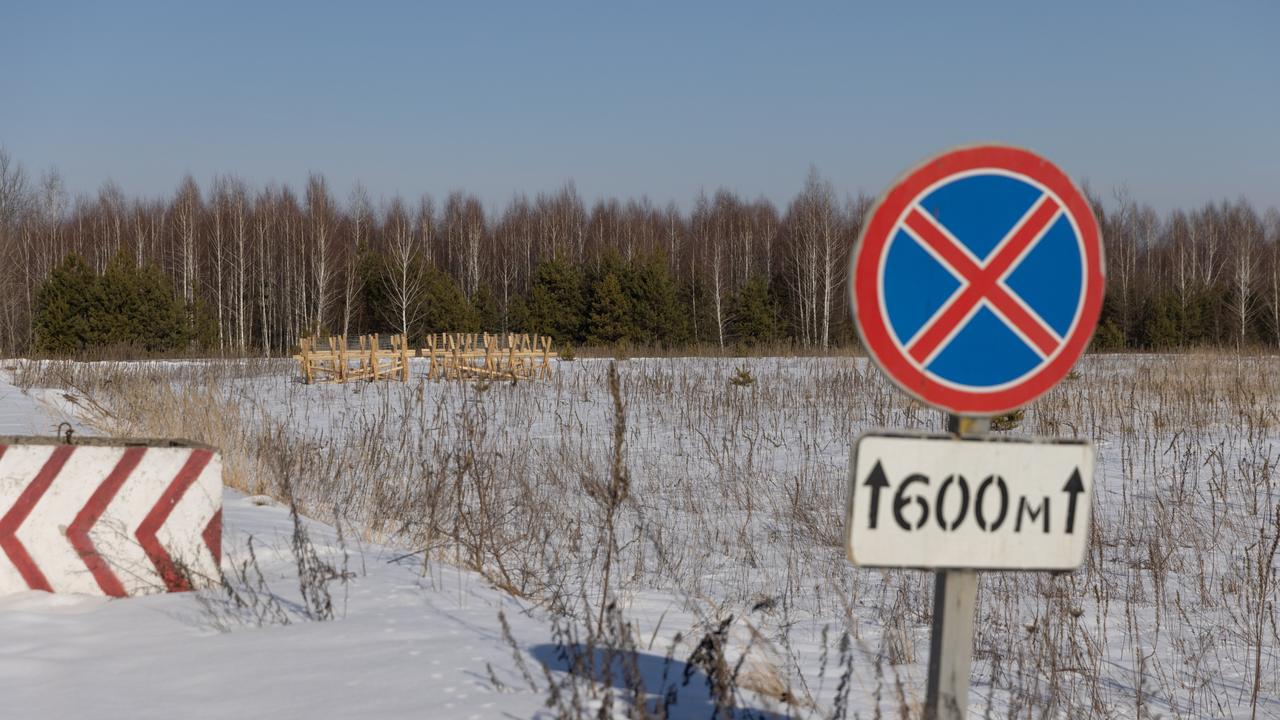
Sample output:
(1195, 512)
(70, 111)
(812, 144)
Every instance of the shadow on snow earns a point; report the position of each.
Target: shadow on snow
(686, 689)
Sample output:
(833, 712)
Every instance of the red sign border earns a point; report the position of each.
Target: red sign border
(864, 280)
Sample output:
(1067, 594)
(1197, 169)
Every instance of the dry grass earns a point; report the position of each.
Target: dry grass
(733, 500)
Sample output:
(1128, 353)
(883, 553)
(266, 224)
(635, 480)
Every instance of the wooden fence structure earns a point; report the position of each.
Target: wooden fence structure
(336, 361)
(457, 356)
(451, 356)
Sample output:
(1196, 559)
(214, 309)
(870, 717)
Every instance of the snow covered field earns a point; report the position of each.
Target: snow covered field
(710, 516)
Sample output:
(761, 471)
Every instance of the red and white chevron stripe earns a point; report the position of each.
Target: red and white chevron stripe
(108, 519)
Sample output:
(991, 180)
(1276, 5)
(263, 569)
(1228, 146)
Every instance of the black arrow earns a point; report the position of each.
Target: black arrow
(1074, 487)
(876, 480)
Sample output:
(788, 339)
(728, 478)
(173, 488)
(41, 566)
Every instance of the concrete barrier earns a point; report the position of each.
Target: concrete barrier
(108, 517)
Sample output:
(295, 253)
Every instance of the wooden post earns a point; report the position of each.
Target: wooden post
(304, 345)
(309, 351)
(343, 368)
(454, 342)
(373, 355)
(444, 356)
(955, 595)
(433, 368)
(393, 369)
(446, 352)
(404, 358)
(333, 356)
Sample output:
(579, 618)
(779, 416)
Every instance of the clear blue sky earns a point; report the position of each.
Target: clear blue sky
(1180, 101)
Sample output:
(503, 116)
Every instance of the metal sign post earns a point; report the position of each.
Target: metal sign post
(955, 600)
(955, 596)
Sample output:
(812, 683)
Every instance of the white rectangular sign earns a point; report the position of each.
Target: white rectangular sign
(937, 501)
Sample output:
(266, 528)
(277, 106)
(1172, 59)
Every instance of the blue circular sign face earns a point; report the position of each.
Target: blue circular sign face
(978, 279)
(986, 266)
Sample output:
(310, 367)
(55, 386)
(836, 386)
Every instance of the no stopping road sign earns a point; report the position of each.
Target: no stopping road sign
(977, 281)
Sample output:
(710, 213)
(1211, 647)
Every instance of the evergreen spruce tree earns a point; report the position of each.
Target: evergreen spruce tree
(64, 308)
(1159, 323)
(203, 323)
(117, 317)
(162, 320)
(557, 302)
(1110, 334)
(487, 314)
(1214, 322)
(610, 318)
(444, 307)
(656, 316)
(374, 293)
(517, 314)
(753, 313)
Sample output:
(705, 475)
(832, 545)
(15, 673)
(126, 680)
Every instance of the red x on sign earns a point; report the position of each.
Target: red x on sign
(982, 281)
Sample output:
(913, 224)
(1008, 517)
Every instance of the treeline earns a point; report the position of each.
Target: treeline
(251, 269)
(1205, 277)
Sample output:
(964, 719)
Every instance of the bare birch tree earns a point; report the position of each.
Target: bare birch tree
(1247, 251)
(220, 207)
(263, 215)
(361, 212)
(186, 212)
(238, 202)
(320, 223)
(405, 266)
